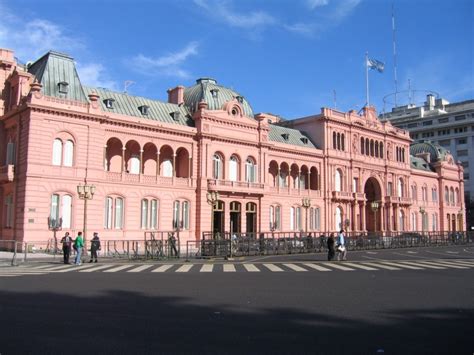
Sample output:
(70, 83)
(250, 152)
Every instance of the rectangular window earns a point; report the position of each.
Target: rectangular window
(443, 120)
(118, 213)
(185, 219)
(277, 217)
(54, 211)
(66, 211)
(272, 217)
(298, 218)
(462, 141)
(292, 218)
(427, 123)
(144, 223)
(311, 218)
(412, 125)
(9, 211)
(462, 153)
(355, 185)
(445, 142)
(108, 213)
(176, 214)
(389, 189)
(154, 214)
(460, 117)
(317, 219)
(10, 153)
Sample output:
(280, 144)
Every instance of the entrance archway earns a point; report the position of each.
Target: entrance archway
(373, 193)
(251, 218)
(218, 219)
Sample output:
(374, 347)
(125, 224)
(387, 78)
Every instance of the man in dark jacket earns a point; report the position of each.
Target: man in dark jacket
(67, 243)
(331, 247)
(95, 246)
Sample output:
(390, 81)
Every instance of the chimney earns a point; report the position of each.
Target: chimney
(430, 101)
(176, 95)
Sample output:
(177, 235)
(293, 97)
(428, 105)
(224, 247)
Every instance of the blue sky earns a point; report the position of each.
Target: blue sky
(285, 57)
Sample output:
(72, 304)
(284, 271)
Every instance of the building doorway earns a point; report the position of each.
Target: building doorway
(235, 217)
(251, 216)
(218, 219)
(373, 205)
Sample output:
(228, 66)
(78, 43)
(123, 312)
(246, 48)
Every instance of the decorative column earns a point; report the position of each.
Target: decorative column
(105, 157)
(308, 182)
(141, 161)
(157, 164)
(278, 178)
(190, 160)
(299, 182)
(364, 227)
(124, 168)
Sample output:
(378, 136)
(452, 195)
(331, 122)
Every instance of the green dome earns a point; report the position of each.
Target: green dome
(436, 151)
(207, 90)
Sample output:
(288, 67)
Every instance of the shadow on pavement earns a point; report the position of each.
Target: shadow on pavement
(121, 322)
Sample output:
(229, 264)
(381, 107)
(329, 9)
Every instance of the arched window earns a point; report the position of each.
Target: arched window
(334, 140)
(315, 218)
(339, 141)
(181, 215)
(413, 221)
(376, 149)
(456, 196)
(451, 196)
(60, 211)
(66, 208)
(217, 167)
(283, 178)
(250, 171)
(338, 180)
(362, 146)
(343, 144)
(414, 193)
(381, 150)
(233, 168)
(371, 148)
(57, 151)
(295, 218)
(144, 223)
(446, 195)
(367, 147)
(403, 155)
(68, 153)
(434, 194)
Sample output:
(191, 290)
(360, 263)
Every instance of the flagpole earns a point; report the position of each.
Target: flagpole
(367, 77)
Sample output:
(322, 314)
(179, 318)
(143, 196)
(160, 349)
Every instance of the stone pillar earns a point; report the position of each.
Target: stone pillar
(105, 157)
(364, 227)
(141, 162)
(124, 167)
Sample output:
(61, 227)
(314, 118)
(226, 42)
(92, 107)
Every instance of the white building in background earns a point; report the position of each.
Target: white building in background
(450, 125)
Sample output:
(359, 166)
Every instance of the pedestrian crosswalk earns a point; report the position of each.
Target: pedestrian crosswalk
(245, 267)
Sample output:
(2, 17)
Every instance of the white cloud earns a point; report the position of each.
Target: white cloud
(222, 11)
(32, 38)
(312, 4)
(169, 64)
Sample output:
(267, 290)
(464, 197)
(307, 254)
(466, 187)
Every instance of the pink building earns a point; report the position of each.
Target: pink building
(155, 164)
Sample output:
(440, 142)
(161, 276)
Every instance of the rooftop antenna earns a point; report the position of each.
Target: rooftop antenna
(394, 54)
(126, 85)
(410, 98)
(335, 98)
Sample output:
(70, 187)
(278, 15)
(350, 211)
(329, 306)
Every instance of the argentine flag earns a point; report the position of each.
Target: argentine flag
(375, 64)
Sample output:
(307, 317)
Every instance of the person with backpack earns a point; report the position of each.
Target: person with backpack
(67, 243)
(95, 246)
(78, 245)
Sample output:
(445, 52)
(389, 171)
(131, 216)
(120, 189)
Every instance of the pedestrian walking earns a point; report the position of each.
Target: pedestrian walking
(78, 245)
(95, 246)
(341, 246)
(331, 247)
(67, 243)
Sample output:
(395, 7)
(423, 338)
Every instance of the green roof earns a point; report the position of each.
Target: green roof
(436, 151)
(54, 68)
(419, 164)
(207, 90)
(128, 105)
(289, 136)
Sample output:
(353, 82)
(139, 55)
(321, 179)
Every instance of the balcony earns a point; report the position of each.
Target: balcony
(7, 172)
(148, 179)
(398, 200)
(359, 196)
(342, 196)
(235, 186)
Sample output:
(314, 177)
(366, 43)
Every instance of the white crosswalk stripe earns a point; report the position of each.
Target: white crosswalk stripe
(229, 268)
(316, 267)
(185, 268)
(251, 268)
(119, 268)
(338, 266)
(95, 268)
(162, 268)
(382, 266)
(295, 267)
(360, 266)
(323, 266)
(273, 267)
(206, 268)
(403, 266)
(141, 268)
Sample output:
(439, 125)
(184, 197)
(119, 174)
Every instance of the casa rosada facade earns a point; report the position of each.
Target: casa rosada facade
(203, 160)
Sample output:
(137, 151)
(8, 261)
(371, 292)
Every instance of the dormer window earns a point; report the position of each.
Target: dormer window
(215, 93)
(304, 140)
(240, 99)
(109, 103)
(144, 109)
(176, 115)
(286, 136)
(63, 87)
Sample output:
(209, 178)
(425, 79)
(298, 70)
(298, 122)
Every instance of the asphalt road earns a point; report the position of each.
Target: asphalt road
(427, 311)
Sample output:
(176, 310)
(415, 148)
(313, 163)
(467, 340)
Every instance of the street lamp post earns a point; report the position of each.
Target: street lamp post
(306, 203)
(85, 192)
(212, 198)
(375, 207)
(55, 225)
(422, 211)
